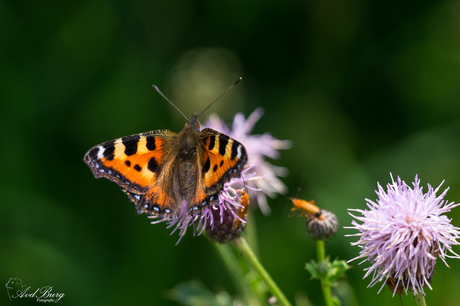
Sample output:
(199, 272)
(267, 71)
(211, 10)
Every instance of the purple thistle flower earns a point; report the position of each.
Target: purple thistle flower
(258, 147)
(228, 224)
(403, 233)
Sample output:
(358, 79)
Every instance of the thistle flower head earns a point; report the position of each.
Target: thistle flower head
(403, 233)
(228, 224)
(258, 147)
(321, 224)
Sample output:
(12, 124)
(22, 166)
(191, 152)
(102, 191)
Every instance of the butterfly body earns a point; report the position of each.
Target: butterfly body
(164, 173)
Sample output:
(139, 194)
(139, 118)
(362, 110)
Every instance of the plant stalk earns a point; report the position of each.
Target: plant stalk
(247, 252)
(325, 287)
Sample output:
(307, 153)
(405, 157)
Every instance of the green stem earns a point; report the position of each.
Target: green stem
(320, 251)
(233, 267)
(420, 298)
(320, 256)
(250, 232)
(247, 252)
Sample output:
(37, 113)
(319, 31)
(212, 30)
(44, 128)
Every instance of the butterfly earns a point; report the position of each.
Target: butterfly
(165, 173)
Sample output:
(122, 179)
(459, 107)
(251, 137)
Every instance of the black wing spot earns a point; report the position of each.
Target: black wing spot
(109, 150)
(215, 168)
(130, 143)
(223, 141)
(93, 153)
(152, 165)
(221, 163)
(212, 142)
(137, 168)
(151, 143)
(206, 166)
(128, 163)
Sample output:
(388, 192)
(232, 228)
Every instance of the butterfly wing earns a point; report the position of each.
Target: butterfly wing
(222, 158)
(139, 164)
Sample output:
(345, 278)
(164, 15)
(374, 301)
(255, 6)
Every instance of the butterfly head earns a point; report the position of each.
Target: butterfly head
(193, 123)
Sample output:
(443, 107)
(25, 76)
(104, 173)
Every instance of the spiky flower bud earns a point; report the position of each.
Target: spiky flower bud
(228, 223)
(321, 224)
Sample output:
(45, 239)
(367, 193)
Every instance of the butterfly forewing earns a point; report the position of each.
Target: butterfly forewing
(223, 159)
(133, 162)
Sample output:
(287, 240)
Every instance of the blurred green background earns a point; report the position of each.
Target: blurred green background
(362, 88)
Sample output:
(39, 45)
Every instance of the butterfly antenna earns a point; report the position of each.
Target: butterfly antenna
(300, 186)
(158, 90)
(237, 81)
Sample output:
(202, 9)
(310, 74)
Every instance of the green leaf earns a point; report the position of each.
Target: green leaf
(327, 271)
(337, 269)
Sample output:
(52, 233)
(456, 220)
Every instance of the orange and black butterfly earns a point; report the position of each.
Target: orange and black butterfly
(161, 171)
